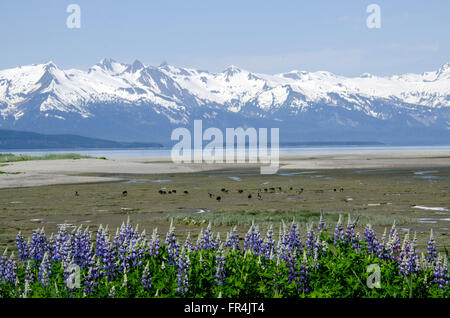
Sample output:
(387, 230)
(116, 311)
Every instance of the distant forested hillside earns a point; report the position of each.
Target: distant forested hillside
(11, 139)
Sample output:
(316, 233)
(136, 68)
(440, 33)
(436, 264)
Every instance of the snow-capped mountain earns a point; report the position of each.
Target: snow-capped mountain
(136, 102)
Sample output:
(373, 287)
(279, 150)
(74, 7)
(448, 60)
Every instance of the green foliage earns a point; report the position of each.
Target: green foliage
(341, 273)
(265, 218)
(8, 157)
(324, 266)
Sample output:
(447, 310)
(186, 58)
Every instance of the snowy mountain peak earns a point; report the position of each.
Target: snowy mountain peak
(50, 75)
(50, 65)
(176, 95)
(109, 66)
(443, 71)
(173, 70)
(232, 70)
(106, 64)
(135, 66)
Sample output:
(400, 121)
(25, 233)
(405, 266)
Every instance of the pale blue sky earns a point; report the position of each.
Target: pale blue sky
(262, 36)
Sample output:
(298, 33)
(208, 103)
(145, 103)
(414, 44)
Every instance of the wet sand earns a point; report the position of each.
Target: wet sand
(419, 196)
(67, 171)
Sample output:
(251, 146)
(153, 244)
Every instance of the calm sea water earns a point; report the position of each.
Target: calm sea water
(162, 152)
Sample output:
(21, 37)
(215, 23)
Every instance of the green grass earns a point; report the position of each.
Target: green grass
(3, 172)
(8, 157)
(264, 218)
(326, 267)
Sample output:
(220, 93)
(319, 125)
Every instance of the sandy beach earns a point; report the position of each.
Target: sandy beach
(69, 171)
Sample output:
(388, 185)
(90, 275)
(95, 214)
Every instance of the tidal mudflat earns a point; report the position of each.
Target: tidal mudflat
(228, 197)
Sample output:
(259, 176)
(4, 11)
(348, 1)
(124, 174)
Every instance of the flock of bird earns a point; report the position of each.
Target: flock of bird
(224, 190)
(241, 191)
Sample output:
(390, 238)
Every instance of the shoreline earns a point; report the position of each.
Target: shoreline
(73, 171)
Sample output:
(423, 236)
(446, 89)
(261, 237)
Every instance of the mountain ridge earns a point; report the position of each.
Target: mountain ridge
(116, 100)
(12, 139)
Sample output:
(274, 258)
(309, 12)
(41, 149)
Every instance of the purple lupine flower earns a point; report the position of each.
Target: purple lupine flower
(100, 241)
(431, 249)
(320, 248)
(22, 247)
(268, 244)
(292, 264)
(38, 245)
(173, 248)
(3, 261)
(198, 243)
(154, 244)
(409, 258)
(310, 240)
(293, 237)
(81, 244)
(207, 240)
(303, 277)
(415, 257)
(137, 250)
(44, 271)
(219, 277)
(382, 248)
(10, 270)
(88, 282)
(124, 243)
(217, 241)
(283, 243)
(120, 245)
(356, 242)
(183, 264)
(125, 277)
(232, 241)
(338, 231)
(125, 233)
(105, 254)
(188, 246)
(350, 235)
(370, 239)
(61, 245)
(322, 227)
(316, 263)
(123, 255)
(253, 240)
(394, 243)
(439, 273)
(92, 258)
(146, 278)
(29, 275)
(405, 265)
(91, 279)
(29, 279)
